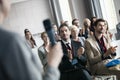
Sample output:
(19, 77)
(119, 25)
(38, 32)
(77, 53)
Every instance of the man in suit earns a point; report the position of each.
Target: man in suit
(99, 51)
(17, 61)
(74, 61)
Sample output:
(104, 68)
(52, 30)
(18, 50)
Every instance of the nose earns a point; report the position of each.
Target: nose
(64, 32)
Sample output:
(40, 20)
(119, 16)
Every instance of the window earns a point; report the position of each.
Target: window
(65, 10)
(109, 14)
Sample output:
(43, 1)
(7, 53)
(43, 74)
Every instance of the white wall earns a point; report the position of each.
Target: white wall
(79, 10)
(28, 14)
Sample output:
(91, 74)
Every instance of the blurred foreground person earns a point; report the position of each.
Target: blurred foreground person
(16, 59)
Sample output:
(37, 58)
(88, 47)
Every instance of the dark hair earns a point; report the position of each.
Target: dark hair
(98, 20)
(92, 22)
(27, 30)
(73, 21)
(62, 25)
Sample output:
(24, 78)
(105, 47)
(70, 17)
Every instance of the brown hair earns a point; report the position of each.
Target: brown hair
(27, 30)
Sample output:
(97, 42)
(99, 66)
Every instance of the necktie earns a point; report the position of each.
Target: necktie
(68, 46)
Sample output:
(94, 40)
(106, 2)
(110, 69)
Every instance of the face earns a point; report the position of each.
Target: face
(76, 22)
(74, 32)
(64, 33)
(55, 28)
(94, 19)
(45, 37)
(100, 28)
(28, 35)
(87, 21)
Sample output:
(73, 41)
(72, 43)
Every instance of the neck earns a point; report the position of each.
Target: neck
(66, 40)
(75, 37)
(98, 36)
(46, 43)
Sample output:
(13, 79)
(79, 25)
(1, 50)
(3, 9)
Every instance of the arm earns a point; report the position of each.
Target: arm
(19, 63)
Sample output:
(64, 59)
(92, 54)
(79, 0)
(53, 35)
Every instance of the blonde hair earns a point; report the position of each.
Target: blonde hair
(73, 27)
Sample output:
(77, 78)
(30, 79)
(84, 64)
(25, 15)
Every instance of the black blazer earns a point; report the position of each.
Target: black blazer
(67, 65)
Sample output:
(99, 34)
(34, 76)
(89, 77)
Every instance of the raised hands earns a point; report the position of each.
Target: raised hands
(55, 55)
(80, 51)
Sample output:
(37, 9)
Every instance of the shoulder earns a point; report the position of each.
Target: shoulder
(89, 39)
(41, 48)
(12, 44)
(76, 43)
(118, 25)
(82, 38)
(8, 37)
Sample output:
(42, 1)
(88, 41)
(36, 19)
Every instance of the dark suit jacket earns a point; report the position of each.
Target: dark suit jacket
(67, 65)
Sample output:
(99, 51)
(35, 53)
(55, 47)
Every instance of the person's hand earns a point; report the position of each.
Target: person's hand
(110, 35)
(70, 56)
(55, 55)
(80, 51)
(111, 50)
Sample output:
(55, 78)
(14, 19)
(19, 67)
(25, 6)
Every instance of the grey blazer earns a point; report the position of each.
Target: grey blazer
(93, 52)
(43, 55)
(17, 61)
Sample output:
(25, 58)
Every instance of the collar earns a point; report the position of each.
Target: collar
(97, 38)
(69, 41)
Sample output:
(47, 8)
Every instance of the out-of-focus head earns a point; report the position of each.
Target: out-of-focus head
(4, 9)
(87, 22)
(100, 26)
(62, 21)
(93, 19)
(28, 34)
(55, 28)
(44, 37)
(66, 22)
(76, 22)
(74, 31)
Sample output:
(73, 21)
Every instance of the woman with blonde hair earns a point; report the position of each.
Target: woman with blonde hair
(74, 35)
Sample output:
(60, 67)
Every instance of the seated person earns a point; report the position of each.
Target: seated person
(99, 51)
(44, 49)
(74, 35)
(55, 30)
(29, 38)
(74, 60)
